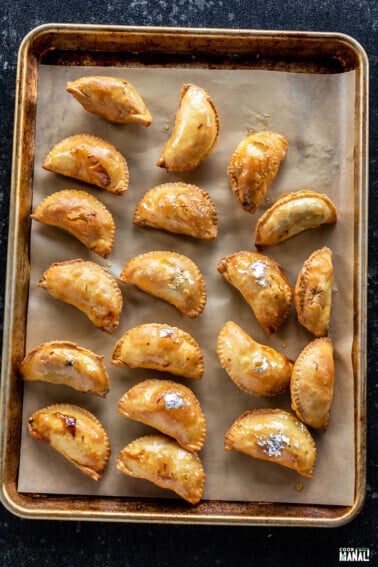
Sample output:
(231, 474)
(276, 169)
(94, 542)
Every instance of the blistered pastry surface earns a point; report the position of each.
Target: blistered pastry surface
(180, 208)
(168, 406)
(161, 460)
(276, 436)
(159, 347)
(113, 98)
(254, 165)
(312, 383)
(76, 434)
(313, 292)
(258, 370)
(80, 214)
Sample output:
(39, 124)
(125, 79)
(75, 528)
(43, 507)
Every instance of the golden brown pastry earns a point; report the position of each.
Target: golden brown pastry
(80, 214)
(89, 159)
(64, 362)
(313, 292)
(256, 369)
(173, 277)
(273, 435)
(112, 98)
(254, 166)
(180, 208)
(168, 406)
(195, 133)
(76, 434)
(262, 283)
(88, 287)
(162, 461)
(312, 383)
(291, 214)
(159, 347)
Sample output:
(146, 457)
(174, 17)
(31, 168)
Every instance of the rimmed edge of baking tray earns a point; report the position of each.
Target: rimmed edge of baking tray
(264, 49)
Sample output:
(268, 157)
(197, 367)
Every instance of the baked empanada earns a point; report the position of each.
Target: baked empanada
(159, 347)
(273, 435)
(256, 369)
(168, 406)
(262, 283)
(313, 292)
(89, 159)
(169, 276)
(112, 98)
(311, 384)
(88, 287)
(76, 434)
(64, 362)
(254, 166)
(180, 208)
(162, 461)
(80, 214)
(195, 133)
(291, 214)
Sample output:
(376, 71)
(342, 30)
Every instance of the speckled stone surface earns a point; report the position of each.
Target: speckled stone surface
(25, 542)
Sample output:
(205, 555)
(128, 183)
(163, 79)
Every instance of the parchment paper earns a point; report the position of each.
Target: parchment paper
(315, 113)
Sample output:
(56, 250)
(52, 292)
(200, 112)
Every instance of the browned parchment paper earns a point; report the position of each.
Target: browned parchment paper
(315, 112)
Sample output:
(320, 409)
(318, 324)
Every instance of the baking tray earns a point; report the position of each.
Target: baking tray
(301, 52)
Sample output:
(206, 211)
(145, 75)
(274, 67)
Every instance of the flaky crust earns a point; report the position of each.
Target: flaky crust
(159, 347)
(180, 208)
(262, 283)
(291, 214)
(195, 133)
(64, 362)
(80, 214)
(172, 277)
(256, 369)
(76, 434)
(168, 406)
(312, 383)
(90, 159)
(162, 461)
(273, 435)
(254, 165)
(313, 292)
(112, 98)
(88, 287)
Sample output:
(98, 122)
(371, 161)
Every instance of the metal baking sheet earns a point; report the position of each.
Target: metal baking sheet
(201, 49)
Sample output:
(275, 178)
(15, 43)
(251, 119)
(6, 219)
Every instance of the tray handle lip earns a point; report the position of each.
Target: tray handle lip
(48, 28)
(217, 519)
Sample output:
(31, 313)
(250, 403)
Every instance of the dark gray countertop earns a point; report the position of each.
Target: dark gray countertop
(74, 543)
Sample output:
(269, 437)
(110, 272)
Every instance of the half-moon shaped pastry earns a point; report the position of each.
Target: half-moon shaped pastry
(112, 98)
(168, 406)
(76, 434)
(254, 166)
(88, 287)
(312, 383)
(162, 461)
(180, 208)
(173, 277)
(63, 362)
(89, 159)
(195, 133)
(273, 435)
(313, 292)
(262, 283)
(256, 369)
(291, 214)
(159, 347)
(80, 214)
